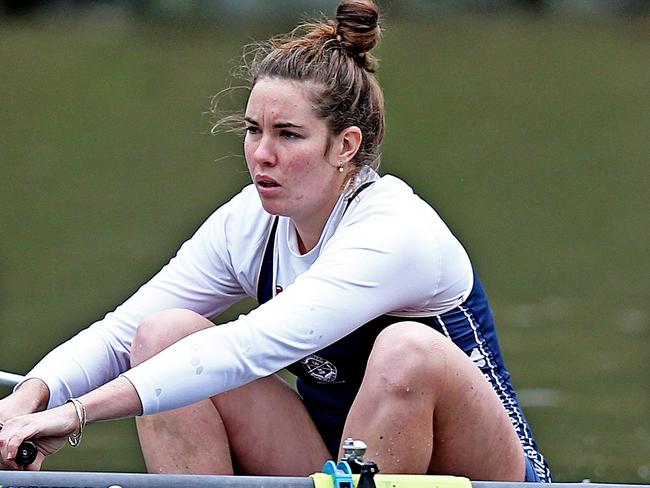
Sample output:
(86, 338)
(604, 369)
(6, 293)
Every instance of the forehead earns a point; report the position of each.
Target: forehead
(279, 98)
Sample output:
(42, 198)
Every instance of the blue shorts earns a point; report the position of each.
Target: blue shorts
(330, 427)
(531, 474)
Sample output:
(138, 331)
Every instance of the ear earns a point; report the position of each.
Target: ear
(348, 143)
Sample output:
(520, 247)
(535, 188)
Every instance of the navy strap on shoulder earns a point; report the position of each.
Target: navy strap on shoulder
(265, 279)
(356, 193)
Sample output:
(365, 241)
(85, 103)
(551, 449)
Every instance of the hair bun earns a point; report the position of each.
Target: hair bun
(357, 25)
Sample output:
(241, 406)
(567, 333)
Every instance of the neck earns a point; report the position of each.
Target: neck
(309, 230)
(308, 236)
(310, 225)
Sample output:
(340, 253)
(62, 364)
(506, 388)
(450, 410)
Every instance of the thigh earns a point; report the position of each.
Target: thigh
(472, 430)
(269, 430)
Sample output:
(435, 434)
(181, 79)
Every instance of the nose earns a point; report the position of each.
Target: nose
(264, 151)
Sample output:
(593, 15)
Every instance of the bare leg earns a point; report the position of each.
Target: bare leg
(425, 407)
(259, 429)
(172, 444)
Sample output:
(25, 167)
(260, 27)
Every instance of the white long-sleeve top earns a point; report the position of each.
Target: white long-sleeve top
(388, 252)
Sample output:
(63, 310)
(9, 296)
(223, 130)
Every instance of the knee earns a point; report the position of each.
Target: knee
(163, 329)
(408, 357)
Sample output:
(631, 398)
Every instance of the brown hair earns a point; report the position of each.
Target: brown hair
(335, 56)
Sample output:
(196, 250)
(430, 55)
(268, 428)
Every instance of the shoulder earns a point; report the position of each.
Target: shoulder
(389, 213)
(410, 237)
(391, 202)
(387, 218)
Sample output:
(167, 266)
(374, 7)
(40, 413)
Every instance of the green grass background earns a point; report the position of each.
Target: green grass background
(529, 136)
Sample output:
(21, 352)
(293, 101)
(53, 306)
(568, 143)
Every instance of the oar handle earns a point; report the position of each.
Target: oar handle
(26, 453)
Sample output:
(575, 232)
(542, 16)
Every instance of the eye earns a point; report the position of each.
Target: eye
(252, 129)
(287, 134)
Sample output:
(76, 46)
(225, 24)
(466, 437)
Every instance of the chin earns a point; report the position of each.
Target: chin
(279, 210)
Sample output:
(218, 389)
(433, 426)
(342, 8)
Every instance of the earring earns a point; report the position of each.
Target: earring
(340, 167)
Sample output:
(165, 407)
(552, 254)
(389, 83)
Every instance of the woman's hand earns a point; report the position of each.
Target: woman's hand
(31, 396)
(48, 429)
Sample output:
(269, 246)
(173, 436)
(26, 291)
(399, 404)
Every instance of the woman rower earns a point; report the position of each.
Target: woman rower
(364, 294)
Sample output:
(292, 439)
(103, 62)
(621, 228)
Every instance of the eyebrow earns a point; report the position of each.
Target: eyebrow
(278, 125)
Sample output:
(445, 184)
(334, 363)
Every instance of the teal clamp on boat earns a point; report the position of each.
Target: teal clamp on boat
(352, 463)
(341, 474)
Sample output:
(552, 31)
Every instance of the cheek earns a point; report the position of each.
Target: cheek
(303, 180)
(247, 152)
(299, 164)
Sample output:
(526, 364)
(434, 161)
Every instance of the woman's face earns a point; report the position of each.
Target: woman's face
(286, 149)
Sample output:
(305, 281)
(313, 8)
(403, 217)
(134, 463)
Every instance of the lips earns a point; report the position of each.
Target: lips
(266, 182)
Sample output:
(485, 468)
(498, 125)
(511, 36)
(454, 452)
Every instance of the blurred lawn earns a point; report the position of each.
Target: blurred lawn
(529, 137)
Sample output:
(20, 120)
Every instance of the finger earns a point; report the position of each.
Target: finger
(6, 459)
(10, 443)
(10, 464)
(26, 455)
(12, 446)
(21, 451)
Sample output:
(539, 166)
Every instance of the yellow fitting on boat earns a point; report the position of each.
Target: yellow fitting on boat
(323, 480)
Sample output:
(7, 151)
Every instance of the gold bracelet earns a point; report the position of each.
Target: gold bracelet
(75, 438)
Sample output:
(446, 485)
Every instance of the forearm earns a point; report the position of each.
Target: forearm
(31, 396)
(116, 399)
(97, 355)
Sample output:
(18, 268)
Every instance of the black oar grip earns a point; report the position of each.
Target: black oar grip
(26, 454)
